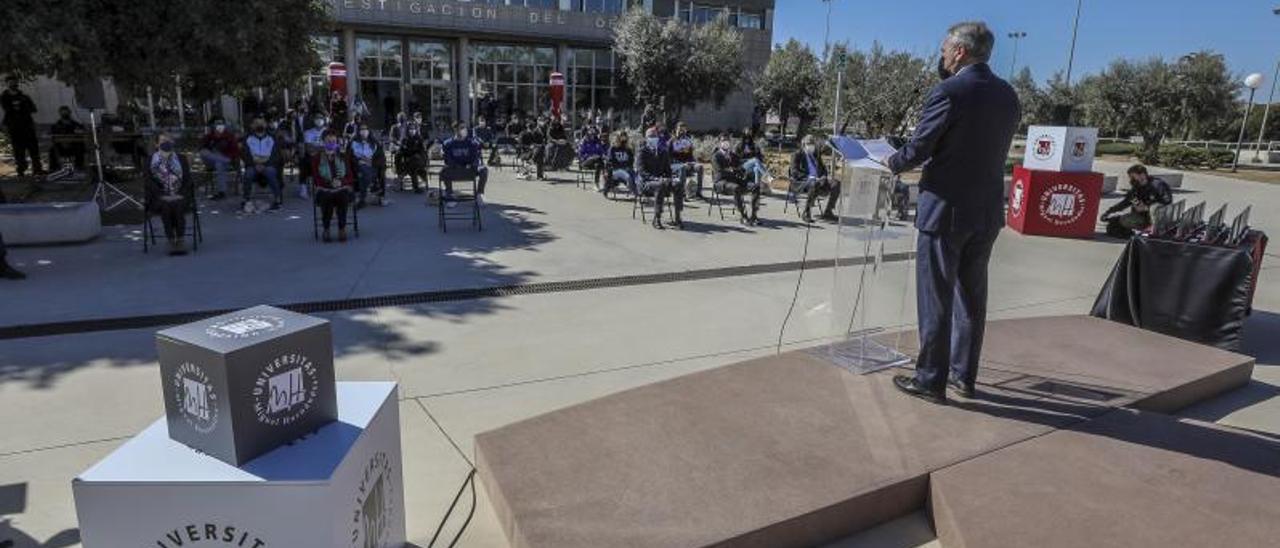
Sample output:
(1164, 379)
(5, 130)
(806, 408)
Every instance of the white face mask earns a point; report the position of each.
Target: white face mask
(364, 134)
(724, 145)
(652, 142)
(809, 149)
(219, 128)
(463, 134)
(319, 122)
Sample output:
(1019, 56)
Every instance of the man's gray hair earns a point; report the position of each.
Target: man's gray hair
(975, 37)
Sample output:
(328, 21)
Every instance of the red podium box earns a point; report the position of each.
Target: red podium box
(1054, 203)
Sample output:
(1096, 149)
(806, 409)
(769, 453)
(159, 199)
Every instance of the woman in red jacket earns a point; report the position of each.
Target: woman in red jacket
(332, 178)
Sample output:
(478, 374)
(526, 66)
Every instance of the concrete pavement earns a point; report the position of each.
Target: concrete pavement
(468, 366)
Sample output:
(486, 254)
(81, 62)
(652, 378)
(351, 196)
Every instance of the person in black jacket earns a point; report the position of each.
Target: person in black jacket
(532, 149)
(620, 165)
(809, 175)
(414, 149)
(18, 110)
(653, 175)
(732, 179)
(1144, 192)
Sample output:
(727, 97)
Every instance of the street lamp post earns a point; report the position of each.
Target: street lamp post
(1017, 37)
(1252, 82)
(1262, 131)
(1075, 31)
(826, 39)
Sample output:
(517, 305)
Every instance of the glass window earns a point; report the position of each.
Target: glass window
(748, 20)
(329, 48)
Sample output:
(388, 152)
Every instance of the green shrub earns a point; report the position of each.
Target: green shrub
(1116, 149)
(1148, 157)
(1182, 157)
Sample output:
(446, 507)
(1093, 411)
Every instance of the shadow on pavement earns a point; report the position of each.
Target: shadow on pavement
(13, 500)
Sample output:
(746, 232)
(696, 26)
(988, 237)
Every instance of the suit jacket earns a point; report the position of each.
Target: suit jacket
(963, 140)
(653, 163)
(800, 166)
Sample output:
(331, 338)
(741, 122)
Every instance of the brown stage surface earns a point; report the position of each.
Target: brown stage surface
(791, 450)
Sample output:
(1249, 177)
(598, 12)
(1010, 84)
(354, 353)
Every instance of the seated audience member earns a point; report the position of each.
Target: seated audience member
(487, 138)
(68, 141)
(559, 151)
(653, 175)
(462, 160)
(312, 144)
(332, 180)
(532, 146)
(262, 159)
(415, 148)
(591, 154)
(367, 158)
(753, 157)
(1144, 192)
(218, 150)
(350, 130)
(395, 141)
(620, 165)
(809, 176)
(170, 192)
(683, 162)
(732, 179)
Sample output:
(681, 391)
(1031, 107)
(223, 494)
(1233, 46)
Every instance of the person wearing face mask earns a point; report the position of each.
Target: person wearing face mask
(684, 165)
(20, 123)
(559, 153)
(532, 150)
(653, 176)
(462, 161)
(962, 138)
(591, 155)
(487, 138)
(312, 144)
(68, 140)
(414, 149)
(620, 162)
(367, 158)
(170, 192)
(753, 157)
(809, 175)
(332, 179)
(732, 179)
(218, 150)
(395, 142)
(262, 161)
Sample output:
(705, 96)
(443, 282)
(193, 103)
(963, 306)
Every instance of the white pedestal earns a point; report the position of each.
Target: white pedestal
(1056, 148)
(340, 487)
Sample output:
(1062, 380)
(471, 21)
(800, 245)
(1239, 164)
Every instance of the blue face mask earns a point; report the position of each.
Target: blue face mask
(652, 142)
(166, 146)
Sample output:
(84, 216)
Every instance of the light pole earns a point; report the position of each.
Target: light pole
(1252, 82)
(1075, 31)
(826, 39)
(1262, 131)
(1016, 36)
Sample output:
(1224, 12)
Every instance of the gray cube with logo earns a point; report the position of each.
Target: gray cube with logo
(239, 385)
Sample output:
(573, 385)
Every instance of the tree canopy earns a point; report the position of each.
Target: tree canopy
(880, 91)
(210, 46)
(672, 65)
(792, 84)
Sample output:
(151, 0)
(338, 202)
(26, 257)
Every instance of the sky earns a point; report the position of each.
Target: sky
(1245, 31)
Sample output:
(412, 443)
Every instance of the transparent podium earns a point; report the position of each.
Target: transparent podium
(873, 264)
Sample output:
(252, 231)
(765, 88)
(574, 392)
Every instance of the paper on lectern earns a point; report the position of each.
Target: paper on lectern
(864, 153)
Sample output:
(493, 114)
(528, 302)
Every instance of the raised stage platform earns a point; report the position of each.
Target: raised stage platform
(792, 450)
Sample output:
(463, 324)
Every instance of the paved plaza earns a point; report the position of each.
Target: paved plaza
(718, 294)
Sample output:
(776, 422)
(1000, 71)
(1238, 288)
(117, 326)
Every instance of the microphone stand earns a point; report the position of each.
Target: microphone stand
(104, 189)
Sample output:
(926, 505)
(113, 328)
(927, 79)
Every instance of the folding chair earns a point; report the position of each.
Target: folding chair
(793, 198)
(317, 222)
(640, 197)
(462, 211)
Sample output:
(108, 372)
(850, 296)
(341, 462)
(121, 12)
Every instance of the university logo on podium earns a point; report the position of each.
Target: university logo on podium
(1062, 204)
(196, 397)
(243, 327)
(374, 502)
(285, 389)
(1080, 147)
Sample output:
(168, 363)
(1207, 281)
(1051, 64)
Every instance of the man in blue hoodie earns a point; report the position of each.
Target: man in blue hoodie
(462, 161)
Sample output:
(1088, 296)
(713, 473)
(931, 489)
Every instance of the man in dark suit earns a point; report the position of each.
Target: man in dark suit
(963, 139)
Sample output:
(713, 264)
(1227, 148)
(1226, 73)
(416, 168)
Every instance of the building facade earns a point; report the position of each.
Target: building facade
(440, 57)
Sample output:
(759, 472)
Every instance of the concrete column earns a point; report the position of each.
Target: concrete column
(464, 79)
(353, 65)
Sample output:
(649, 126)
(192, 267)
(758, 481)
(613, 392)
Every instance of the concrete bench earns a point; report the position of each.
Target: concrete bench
(53, 223)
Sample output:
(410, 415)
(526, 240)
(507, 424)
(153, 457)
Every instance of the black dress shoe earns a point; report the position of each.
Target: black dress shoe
(962, 389)
(907, 384)
(10, 273)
